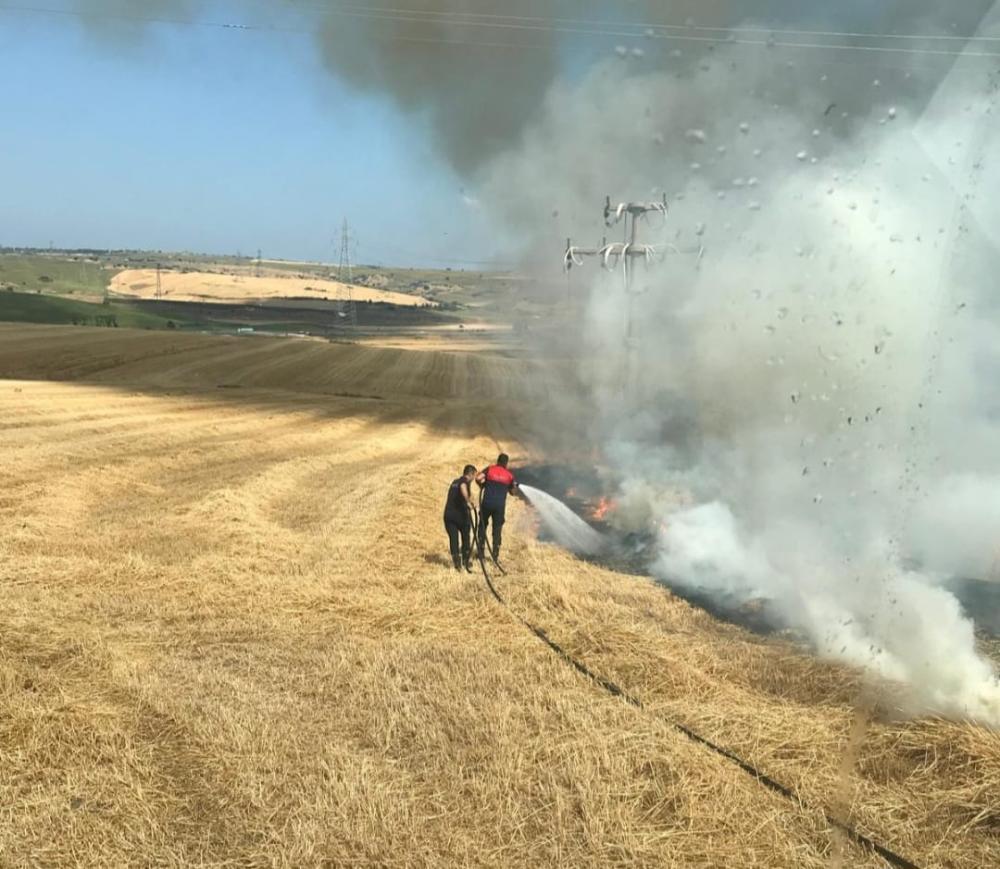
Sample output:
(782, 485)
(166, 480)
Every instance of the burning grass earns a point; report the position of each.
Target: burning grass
(230, 637)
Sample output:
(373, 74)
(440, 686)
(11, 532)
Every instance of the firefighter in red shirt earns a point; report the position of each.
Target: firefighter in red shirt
(496, 483)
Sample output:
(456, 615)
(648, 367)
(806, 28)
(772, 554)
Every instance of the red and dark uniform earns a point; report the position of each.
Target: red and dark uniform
(458, 522)
(498, 483)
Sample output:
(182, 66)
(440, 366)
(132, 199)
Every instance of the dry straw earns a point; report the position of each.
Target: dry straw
(230, 637)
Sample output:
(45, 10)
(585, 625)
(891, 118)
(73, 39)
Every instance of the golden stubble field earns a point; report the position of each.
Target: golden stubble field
(215, 287)
(229, 637)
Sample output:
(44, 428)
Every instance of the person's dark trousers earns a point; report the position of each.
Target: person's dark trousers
(494, 516)
(456, 531)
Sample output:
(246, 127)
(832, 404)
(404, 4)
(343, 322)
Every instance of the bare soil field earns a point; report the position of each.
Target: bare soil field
(230, 637)
(209, 286)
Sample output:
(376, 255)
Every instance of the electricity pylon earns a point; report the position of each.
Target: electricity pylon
(624, 253)
(346, 272)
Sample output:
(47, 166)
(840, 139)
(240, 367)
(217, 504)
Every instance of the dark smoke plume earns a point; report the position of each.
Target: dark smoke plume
(477, 72)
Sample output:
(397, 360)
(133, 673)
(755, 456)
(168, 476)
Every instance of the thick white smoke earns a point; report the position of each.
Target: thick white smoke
(810, 418)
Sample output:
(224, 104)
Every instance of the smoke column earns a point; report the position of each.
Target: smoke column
(817, 354)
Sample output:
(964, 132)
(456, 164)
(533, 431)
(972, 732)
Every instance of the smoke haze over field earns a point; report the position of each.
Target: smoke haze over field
(813, 418)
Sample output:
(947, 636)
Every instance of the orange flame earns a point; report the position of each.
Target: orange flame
(602, 508)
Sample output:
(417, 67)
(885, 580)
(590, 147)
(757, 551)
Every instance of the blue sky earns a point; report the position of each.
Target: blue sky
(182, 137)
(192, 138)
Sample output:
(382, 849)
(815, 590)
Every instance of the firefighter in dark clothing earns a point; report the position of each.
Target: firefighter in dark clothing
(496, 482)
(458, 517)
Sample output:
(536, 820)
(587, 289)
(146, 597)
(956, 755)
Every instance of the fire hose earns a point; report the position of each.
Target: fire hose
(615, 690)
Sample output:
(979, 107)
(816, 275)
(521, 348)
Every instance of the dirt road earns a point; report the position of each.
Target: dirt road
(230, 636)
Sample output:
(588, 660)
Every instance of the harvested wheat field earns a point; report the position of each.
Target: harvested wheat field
(230, 637)
(213, 287)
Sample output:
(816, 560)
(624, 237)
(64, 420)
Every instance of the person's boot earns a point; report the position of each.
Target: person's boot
(496, 552)
(456, 560)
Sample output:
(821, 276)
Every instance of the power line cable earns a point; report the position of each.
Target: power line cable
(642, 28)
(410, 17)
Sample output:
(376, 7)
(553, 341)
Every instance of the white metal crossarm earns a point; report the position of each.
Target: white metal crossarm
(636, 210)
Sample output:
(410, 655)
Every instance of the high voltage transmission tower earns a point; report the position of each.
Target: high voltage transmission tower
(346, 272)
(258, 264)
(624, 253)
(159, 282)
